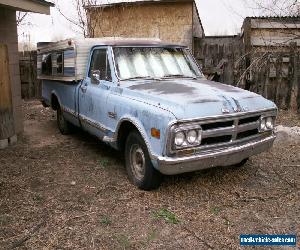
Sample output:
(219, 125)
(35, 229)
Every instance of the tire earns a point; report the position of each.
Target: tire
(138, 164)
(63, 125)
(241, 164)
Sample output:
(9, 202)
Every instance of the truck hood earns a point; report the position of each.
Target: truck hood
(188, 99)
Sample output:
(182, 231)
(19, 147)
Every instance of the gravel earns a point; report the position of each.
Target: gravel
(288, 133)
(72, 192)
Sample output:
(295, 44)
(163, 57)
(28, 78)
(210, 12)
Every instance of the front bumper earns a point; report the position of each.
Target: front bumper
(221, 157)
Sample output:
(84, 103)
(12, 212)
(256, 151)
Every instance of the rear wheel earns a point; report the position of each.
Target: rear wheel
(138, 164)
(63, 125)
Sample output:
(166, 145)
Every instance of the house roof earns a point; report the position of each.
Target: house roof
(37, 6)
(99, 3)
(44, 2)
(273, 22)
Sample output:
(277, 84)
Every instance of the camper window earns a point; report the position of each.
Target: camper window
(47, 64)
(59, 63)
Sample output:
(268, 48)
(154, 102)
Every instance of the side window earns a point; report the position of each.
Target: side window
(60, 63)
(100, 62)
(47, 64)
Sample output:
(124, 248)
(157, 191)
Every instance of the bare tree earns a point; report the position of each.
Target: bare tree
(275, 7)
(80, 20)
(24, 24)
(20, 17)
(269, 57)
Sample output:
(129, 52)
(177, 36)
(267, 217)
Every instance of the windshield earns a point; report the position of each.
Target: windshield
(153, 62)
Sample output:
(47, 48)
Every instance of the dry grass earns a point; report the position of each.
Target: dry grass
(288, 118)
(72, 192)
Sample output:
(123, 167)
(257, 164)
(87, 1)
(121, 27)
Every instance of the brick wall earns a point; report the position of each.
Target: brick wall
(171, 22)
(8, 36)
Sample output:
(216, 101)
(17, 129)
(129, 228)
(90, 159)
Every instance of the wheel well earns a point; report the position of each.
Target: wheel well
(54, 102)
(124, 130)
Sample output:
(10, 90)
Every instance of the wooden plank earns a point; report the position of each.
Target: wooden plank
(6, 110)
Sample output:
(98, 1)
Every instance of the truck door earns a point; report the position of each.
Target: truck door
(93, 93)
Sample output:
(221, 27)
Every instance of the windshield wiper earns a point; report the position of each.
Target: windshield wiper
(141, 77)
(178, 76)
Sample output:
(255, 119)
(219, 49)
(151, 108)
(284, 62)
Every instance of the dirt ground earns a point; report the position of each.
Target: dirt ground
(72, 192)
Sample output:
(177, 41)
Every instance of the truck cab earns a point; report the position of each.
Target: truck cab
(151, 100)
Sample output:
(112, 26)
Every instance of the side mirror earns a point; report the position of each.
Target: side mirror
(95, 76)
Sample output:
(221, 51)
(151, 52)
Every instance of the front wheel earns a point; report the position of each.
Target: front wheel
(138, 164)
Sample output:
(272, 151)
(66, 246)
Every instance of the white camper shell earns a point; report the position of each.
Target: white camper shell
(67, 60)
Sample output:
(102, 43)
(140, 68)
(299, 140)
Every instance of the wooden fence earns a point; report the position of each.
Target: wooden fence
(218, 56)
(278, 79)
(273, 74)
(30, 85)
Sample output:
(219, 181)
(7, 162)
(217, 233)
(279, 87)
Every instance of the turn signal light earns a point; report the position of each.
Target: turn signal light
(155, 133)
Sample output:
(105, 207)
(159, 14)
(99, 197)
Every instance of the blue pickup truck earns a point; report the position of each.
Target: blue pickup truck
(151, 100)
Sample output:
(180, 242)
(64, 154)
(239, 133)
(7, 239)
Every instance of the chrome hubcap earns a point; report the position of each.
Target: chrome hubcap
(137, 161)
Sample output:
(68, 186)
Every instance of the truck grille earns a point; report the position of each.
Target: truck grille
(233, 129)
(248, 120)
(215, 140)
(217, 125)
(246, 134)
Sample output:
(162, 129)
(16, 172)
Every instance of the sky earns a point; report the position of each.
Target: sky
(219, 17)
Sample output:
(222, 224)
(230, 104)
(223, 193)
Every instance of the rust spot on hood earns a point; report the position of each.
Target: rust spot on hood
(221, 86)
(205, 100)
(165, 88)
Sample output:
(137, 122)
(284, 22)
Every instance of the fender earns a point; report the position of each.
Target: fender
(139, 126)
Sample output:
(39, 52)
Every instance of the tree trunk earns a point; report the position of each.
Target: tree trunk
(6, 111)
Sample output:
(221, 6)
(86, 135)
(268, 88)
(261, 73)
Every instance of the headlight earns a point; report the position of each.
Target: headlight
(269, 123)
(186, 136)
(266, 123)
(179, 138)
(192, 136)
(263, 124)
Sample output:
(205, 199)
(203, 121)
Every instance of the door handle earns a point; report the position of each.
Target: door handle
(83, 87)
